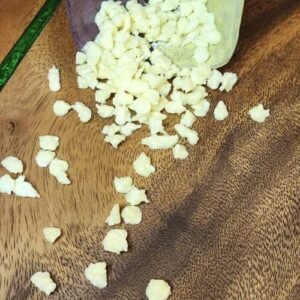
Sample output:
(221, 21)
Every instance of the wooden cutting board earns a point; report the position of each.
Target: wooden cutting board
(224, 224)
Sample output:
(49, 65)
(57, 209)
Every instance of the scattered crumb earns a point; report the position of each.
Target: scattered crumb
(259, 114)
(142, 165)
(51, 234)
(158, 289)
(221, 112)
(115, 241)
(96, 274)
(43, 282)
(12, 164)
(114, 217)
(132, 215)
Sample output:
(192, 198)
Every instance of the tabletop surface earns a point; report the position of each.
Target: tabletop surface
(223, 224)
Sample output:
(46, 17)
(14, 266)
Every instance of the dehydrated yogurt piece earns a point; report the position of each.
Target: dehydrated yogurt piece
(105, 111)
(185, 132)
(49, 142)
(129, 128)
(215, 79)
(61, 108)
(188, 119)
(24, 189)
(115, 139)
(142, 165)
(115, 241)
(111, 129)
(96, 274)
(114, 217)
(12, 164)
(136, 196)
(259, 114)
(156, 142)
(6, 184)
(58, 169)
(51, 234)
(228, 81)
(180, 152)
(80, 58)
(158, 289)
(54, 79)
(84, 113)
(43, 282)
(132, 215)
(221, 112)
(202, 108)
(123, 184)
(44, 158)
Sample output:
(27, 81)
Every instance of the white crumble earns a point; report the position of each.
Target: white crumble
(180, 152)
(221, 112)
(132, 215)
(51, 234)
(142, 165)
(44, 158)
(259, 114)
(96, 274)
(114, 217)
(115, 241)
(49, 142)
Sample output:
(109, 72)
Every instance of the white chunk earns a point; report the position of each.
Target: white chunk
(12, 164)
(102, 96)
(201, 109)
(96, 274)
(43, 282)
(189, 134)
(49, 142)
(141, 106)
(122, 114)
(158, 289)
(84, 113)
(82, 82)
(156, 126)
(221, 112)
(123, 184)
(142, 165)
(188, 119)
(156, 142)
(122, 98)
(111, 129)
(24, 189)
(228, 81)
(215, 80)
(61, 108)
(114, 216)
(175, 107)
(58, 169)
(105, 111)
(51, 234)
(259, 114)
(115, 140)
(136, 196)
(53, 79)
(115, 241)
(80, 58)
(180, 152)
(129, 128)
(6, 184)
(44, 158)
(132, 215)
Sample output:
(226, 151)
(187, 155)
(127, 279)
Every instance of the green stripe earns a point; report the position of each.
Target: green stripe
(24, 43)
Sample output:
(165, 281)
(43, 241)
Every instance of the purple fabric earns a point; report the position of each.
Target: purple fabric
(81, 14)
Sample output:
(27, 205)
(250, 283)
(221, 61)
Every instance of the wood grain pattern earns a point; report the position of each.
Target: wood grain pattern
(224, 224)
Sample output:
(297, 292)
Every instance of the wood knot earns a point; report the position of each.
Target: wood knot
(11, 126)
